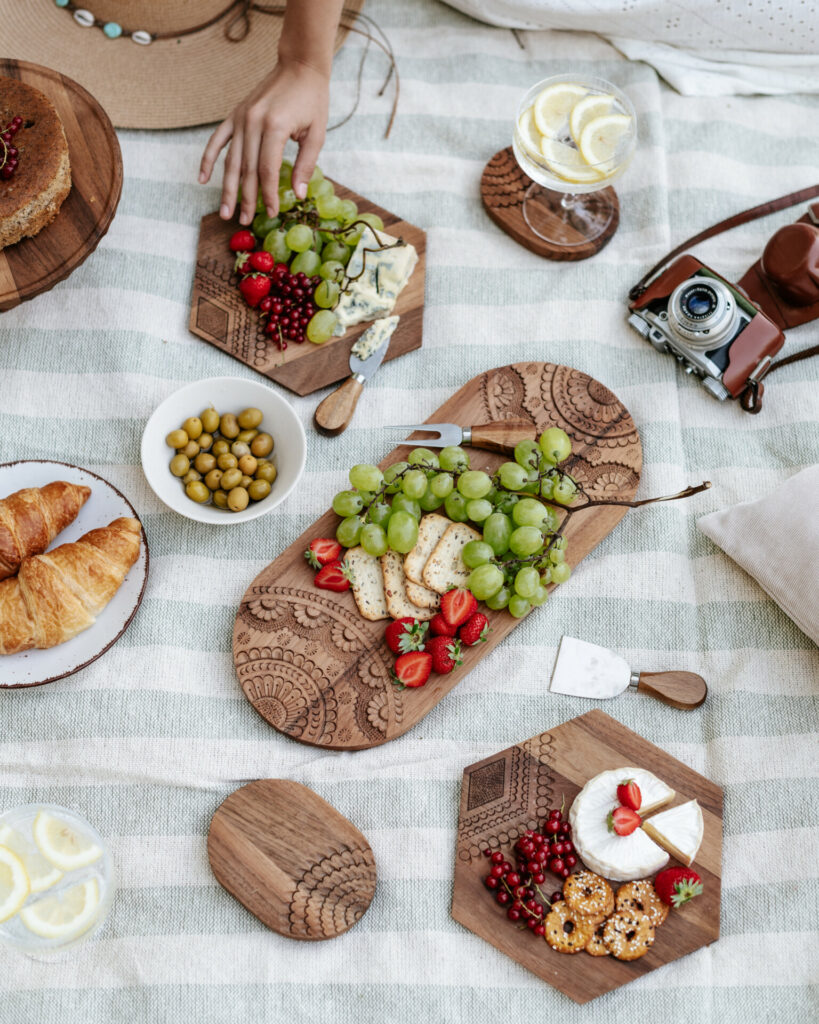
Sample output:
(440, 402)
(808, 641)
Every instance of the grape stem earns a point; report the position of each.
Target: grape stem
(590, 503)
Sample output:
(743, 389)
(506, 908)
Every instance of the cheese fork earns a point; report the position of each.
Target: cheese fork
(499, 436)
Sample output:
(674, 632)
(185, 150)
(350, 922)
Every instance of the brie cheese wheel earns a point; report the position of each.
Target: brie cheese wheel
(620, 858)
(678, 830)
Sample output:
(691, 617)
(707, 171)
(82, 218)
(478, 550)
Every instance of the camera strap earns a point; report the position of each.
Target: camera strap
(751, 399)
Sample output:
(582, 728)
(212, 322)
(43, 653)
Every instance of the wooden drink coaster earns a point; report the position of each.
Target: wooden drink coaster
(503, 188)
(291, 859)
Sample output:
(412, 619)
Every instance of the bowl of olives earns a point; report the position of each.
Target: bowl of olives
(223, 450)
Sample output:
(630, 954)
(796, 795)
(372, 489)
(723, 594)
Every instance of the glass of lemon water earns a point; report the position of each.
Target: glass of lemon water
(56, 879)
(574, 134)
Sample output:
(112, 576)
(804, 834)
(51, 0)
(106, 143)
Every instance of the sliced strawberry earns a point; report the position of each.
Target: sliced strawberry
(475, 630)
(438, 626)
(242, 241)
(458, 605)
(333, 576)
(623, 821)
(676, 886)
(323, 550)
(405, 635)
(412, 669)
(629, 795)
(446, 653)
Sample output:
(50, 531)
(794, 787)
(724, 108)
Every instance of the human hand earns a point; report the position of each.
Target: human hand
(291, 102)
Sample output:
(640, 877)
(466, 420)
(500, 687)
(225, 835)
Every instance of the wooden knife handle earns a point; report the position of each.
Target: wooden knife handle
(333, 413)
(503, 435)
(684, 690)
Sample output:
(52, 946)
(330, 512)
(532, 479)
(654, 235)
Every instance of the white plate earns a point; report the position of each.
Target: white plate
(226, 394)
(32, 668)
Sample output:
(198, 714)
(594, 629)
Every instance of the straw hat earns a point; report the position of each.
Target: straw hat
(183, 78)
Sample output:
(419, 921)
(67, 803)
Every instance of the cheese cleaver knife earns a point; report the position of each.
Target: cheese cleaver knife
(585, 670)
(334, 413)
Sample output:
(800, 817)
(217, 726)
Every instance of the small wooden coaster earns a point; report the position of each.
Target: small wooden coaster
(503, 187)
(291, 859)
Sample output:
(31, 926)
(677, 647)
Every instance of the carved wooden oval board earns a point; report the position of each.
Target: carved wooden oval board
(221, 316)
(319, 672)
(511, 791)
(36, 264)
(292, 859)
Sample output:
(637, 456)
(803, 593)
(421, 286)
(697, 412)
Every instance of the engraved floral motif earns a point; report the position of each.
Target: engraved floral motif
(373, 673)
(333, 894)
(378, 712)
(309, 615)
(346, 638)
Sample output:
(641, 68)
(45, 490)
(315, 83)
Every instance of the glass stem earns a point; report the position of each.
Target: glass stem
(567, 201)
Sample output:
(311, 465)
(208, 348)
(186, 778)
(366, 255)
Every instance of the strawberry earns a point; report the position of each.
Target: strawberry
(254, 287)
(676, 886)
(474, 630)
(241, 264)
(262, 261)
(458, 605)
(629, 795)
(623, 821)
(242, 241)
(438, 626)
(405, 635)
(334, 576)
(446, 653)
(412, 669)
(323, 550)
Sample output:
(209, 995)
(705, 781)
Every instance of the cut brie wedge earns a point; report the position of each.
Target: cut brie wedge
(678, 830)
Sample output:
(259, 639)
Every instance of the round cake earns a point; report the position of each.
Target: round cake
(32, 196)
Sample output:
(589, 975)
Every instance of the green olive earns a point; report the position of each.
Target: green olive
(205, 441)
(210, 420)
(177, 439)
(197, 492)
(266, 471)
(192, 427)
(247, 435)
(248, 465)
(190, 476)
(204, 462)
(250, 418)
(213, 479)
(180, 464)
(239, 448)
(238, 499)
(220, 447)
(191, 449)
(231, 478)
(261, 445)
(259, 489)
(229, 425)
(227, 461)
(246, 481)
(220, 499)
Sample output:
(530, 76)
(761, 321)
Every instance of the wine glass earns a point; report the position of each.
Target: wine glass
(574, 134)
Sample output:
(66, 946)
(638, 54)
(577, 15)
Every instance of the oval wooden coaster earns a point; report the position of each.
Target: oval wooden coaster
(503, 187)
(291, 859)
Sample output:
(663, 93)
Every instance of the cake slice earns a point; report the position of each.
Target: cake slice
(678, 830)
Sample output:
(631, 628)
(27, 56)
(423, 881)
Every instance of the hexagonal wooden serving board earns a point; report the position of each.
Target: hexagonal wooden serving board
(221, 316)
(511, 791)
(319, 672)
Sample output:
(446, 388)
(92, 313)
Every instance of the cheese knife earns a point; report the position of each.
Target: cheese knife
(582, 669)
(334, 413)
(500, 436)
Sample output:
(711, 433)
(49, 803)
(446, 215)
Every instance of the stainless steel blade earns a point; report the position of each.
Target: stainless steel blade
(363, 369)
(447, 434)
(586, 670)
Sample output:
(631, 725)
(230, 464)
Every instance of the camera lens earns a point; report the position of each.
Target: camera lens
(702, 313)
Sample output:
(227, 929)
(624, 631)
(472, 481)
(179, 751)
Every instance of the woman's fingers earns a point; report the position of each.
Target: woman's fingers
(230, 181)
(270, 162)
(251, 142)
(215, 143)
(309, 149)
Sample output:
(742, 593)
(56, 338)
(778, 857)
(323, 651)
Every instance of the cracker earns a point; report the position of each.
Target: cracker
(395, 589)
(445, 567)
(422, 597)
(368, 585)
(430, 530)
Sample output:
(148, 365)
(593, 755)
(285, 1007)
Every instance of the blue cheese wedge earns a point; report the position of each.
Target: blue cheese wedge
(380, 277)
(376, 335)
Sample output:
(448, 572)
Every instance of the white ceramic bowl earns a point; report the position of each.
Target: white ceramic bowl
(226, 394)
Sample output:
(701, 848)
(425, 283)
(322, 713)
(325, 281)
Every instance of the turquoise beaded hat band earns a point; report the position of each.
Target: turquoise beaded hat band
(113, 30)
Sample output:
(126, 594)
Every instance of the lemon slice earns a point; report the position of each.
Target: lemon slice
(567, 163)
(62, 844)
(585, 110)
(529, 134)
(66, 914)
(600, 138)
(41, 873)
(14, 886)
(552, 106)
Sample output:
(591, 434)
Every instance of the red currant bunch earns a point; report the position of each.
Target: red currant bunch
(288, 308)
(9, 156)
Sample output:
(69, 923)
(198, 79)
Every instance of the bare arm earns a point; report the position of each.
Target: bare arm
(291, 102)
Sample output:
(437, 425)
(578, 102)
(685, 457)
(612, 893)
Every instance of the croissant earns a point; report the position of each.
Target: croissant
(57, 595)
(30, 520)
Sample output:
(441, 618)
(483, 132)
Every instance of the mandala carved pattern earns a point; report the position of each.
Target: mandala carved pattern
(330, 897)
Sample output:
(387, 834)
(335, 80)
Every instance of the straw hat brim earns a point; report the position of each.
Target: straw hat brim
(172, 83)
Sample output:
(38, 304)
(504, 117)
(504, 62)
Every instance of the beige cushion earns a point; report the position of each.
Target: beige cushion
(776, 540)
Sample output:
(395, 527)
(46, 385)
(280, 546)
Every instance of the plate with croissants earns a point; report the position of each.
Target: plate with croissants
(73, 569)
